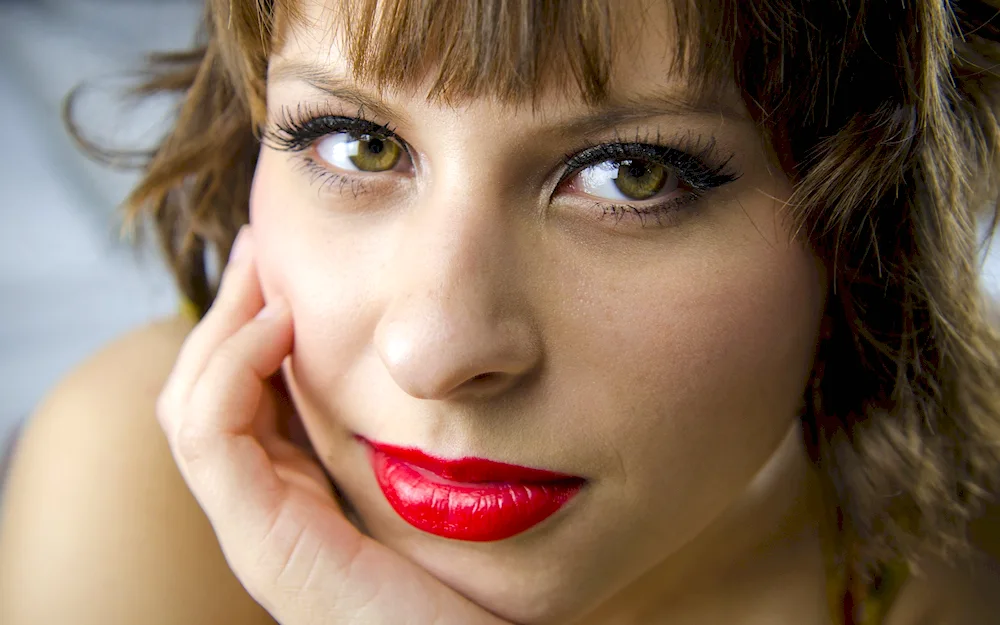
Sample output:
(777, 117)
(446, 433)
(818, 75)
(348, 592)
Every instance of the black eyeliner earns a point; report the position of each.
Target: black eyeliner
(691, 165)
(297, 132)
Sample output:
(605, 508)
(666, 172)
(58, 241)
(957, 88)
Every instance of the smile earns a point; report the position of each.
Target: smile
(471, 499)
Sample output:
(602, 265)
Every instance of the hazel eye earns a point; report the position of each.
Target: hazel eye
(367, 153)
(628, 179)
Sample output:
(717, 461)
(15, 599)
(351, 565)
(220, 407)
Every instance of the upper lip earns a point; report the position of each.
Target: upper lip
(469, 469)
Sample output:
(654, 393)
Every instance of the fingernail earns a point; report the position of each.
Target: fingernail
(239, 244)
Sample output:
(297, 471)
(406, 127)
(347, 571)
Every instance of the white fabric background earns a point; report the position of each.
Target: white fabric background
(67, 285)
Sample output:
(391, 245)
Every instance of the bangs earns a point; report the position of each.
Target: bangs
(511, 50)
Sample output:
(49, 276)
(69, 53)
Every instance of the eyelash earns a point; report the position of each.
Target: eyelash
(695, 161)
(297, 131)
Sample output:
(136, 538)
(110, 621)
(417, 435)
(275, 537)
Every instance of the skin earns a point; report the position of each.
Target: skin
(700, 508)
(665, 365)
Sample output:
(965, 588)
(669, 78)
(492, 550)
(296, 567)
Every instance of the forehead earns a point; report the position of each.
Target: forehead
(512, 51)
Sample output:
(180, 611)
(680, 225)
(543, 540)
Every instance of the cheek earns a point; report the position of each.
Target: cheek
(320, 267)
(688, 373)
(706, 363)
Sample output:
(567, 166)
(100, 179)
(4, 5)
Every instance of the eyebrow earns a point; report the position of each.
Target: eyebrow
(618, 110)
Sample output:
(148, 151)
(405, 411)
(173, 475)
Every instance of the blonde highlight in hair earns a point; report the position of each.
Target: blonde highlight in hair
(882, 114)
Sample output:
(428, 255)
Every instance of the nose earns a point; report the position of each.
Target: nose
(455, 324)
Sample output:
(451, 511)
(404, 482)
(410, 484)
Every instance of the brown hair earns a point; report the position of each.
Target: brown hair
(882, 113)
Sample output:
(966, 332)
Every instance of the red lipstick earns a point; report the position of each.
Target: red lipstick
(471, 499)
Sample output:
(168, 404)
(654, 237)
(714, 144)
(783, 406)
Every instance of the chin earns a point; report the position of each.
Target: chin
(521, 593)
(535, 578)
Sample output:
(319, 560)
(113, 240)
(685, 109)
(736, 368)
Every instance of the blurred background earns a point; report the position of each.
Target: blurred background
(68, 284)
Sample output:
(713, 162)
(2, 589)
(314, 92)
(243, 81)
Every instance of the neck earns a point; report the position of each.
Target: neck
(762, 556)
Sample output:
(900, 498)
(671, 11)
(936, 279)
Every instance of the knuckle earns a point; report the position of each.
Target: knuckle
(165, 409)
(223, 363)
(190, 443)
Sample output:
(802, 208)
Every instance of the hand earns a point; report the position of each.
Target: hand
(269, 503)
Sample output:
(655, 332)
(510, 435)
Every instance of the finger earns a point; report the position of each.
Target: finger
(227, 468)
(285, 416)
(284, 438)
(225, 397)
(238, 300)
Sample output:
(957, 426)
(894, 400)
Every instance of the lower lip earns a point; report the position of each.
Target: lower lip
(478, 512)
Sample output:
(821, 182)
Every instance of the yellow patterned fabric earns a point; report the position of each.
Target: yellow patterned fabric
(189, 311)
(855, 599)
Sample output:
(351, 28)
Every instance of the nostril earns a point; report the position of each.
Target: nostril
(490, 384)
(487, 382)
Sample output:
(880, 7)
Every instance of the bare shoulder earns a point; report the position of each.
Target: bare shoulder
(98, 526)
(966, 592)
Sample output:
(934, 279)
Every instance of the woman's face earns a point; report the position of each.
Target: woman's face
(459, 287)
